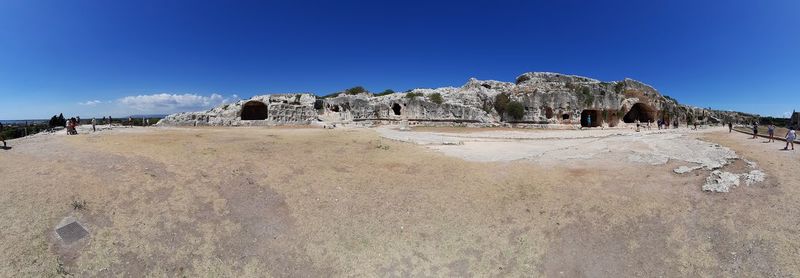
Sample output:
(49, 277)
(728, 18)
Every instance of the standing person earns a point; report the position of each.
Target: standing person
(130, 121)
(147, 122)
(589, 120)
(94, 122)
(791, 135)
(771, 132)
(2, 137)
(70, 126)
(755, 130)
(730, 127)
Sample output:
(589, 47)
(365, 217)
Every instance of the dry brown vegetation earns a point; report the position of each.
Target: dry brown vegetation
(313, 202)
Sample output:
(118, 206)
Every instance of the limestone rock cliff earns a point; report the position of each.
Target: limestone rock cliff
(546, 99)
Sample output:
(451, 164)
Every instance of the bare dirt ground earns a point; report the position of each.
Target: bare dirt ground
(263, 202)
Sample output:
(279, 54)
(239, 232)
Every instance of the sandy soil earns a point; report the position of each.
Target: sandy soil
(255, 202)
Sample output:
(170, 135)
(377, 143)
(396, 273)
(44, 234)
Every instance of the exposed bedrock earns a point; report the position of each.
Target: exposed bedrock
(535, 98)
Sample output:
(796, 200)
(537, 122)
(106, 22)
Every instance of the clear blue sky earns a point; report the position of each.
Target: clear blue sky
(94, 58)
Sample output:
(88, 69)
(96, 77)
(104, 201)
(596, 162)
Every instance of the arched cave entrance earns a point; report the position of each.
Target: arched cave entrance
(565, 117)
(254, 110)
(640, 111)
(590, 115)
(396, 108)
(548, 113)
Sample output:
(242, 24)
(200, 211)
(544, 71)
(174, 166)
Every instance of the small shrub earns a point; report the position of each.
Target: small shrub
(381, 146)
(619, 87)
(60, 270)
(436, 98)
(413, 95)
(571, 86)
(79, 205)
(356, 90)
(501, 103)
(516, 110)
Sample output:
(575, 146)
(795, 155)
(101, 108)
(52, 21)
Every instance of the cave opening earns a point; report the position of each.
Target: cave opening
(396, 108)
(590, 118)
(254, 110)
(641, 112)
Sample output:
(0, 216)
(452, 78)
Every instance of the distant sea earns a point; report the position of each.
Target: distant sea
(18, 122)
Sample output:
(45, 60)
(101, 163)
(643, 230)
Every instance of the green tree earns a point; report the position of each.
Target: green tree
(501, 102)
(53, 121)
(61, 121)
(436, 98)
(516, 110)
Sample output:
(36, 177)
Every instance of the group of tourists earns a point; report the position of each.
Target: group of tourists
(790, 136)
(72, 125)
(663, 124)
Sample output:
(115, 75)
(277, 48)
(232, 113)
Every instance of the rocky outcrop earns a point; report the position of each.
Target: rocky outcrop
(536, 98)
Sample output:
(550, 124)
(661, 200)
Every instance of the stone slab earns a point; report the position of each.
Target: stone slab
(72, 232)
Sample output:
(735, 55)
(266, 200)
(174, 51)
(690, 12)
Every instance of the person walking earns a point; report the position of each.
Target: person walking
(755, 130)
(791, 135)
(730, 127)
(94, 123)
(771, 132)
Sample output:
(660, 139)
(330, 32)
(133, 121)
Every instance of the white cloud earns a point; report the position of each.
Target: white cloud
(90, 102)
(232, 99)
(170, 103)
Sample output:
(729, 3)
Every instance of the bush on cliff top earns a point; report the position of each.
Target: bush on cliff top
(436, 98)
(413, 95)
(355, 90)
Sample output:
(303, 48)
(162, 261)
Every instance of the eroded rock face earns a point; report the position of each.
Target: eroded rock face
(547, 99)
(282, 109)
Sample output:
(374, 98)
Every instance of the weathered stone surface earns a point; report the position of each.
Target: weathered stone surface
(549, 99)
(720, 181)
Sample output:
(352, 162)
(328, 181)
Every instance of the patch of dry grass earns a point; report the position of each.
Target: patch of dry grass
(312, 202)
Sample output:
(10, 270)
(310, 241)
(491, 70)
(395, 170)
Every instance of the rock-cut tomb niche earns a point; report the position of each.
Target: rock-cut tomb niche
(642, 112)
(254, 110)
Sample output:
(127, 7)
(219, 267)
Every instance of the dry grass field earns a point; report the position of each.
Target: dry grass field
(295, 202)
